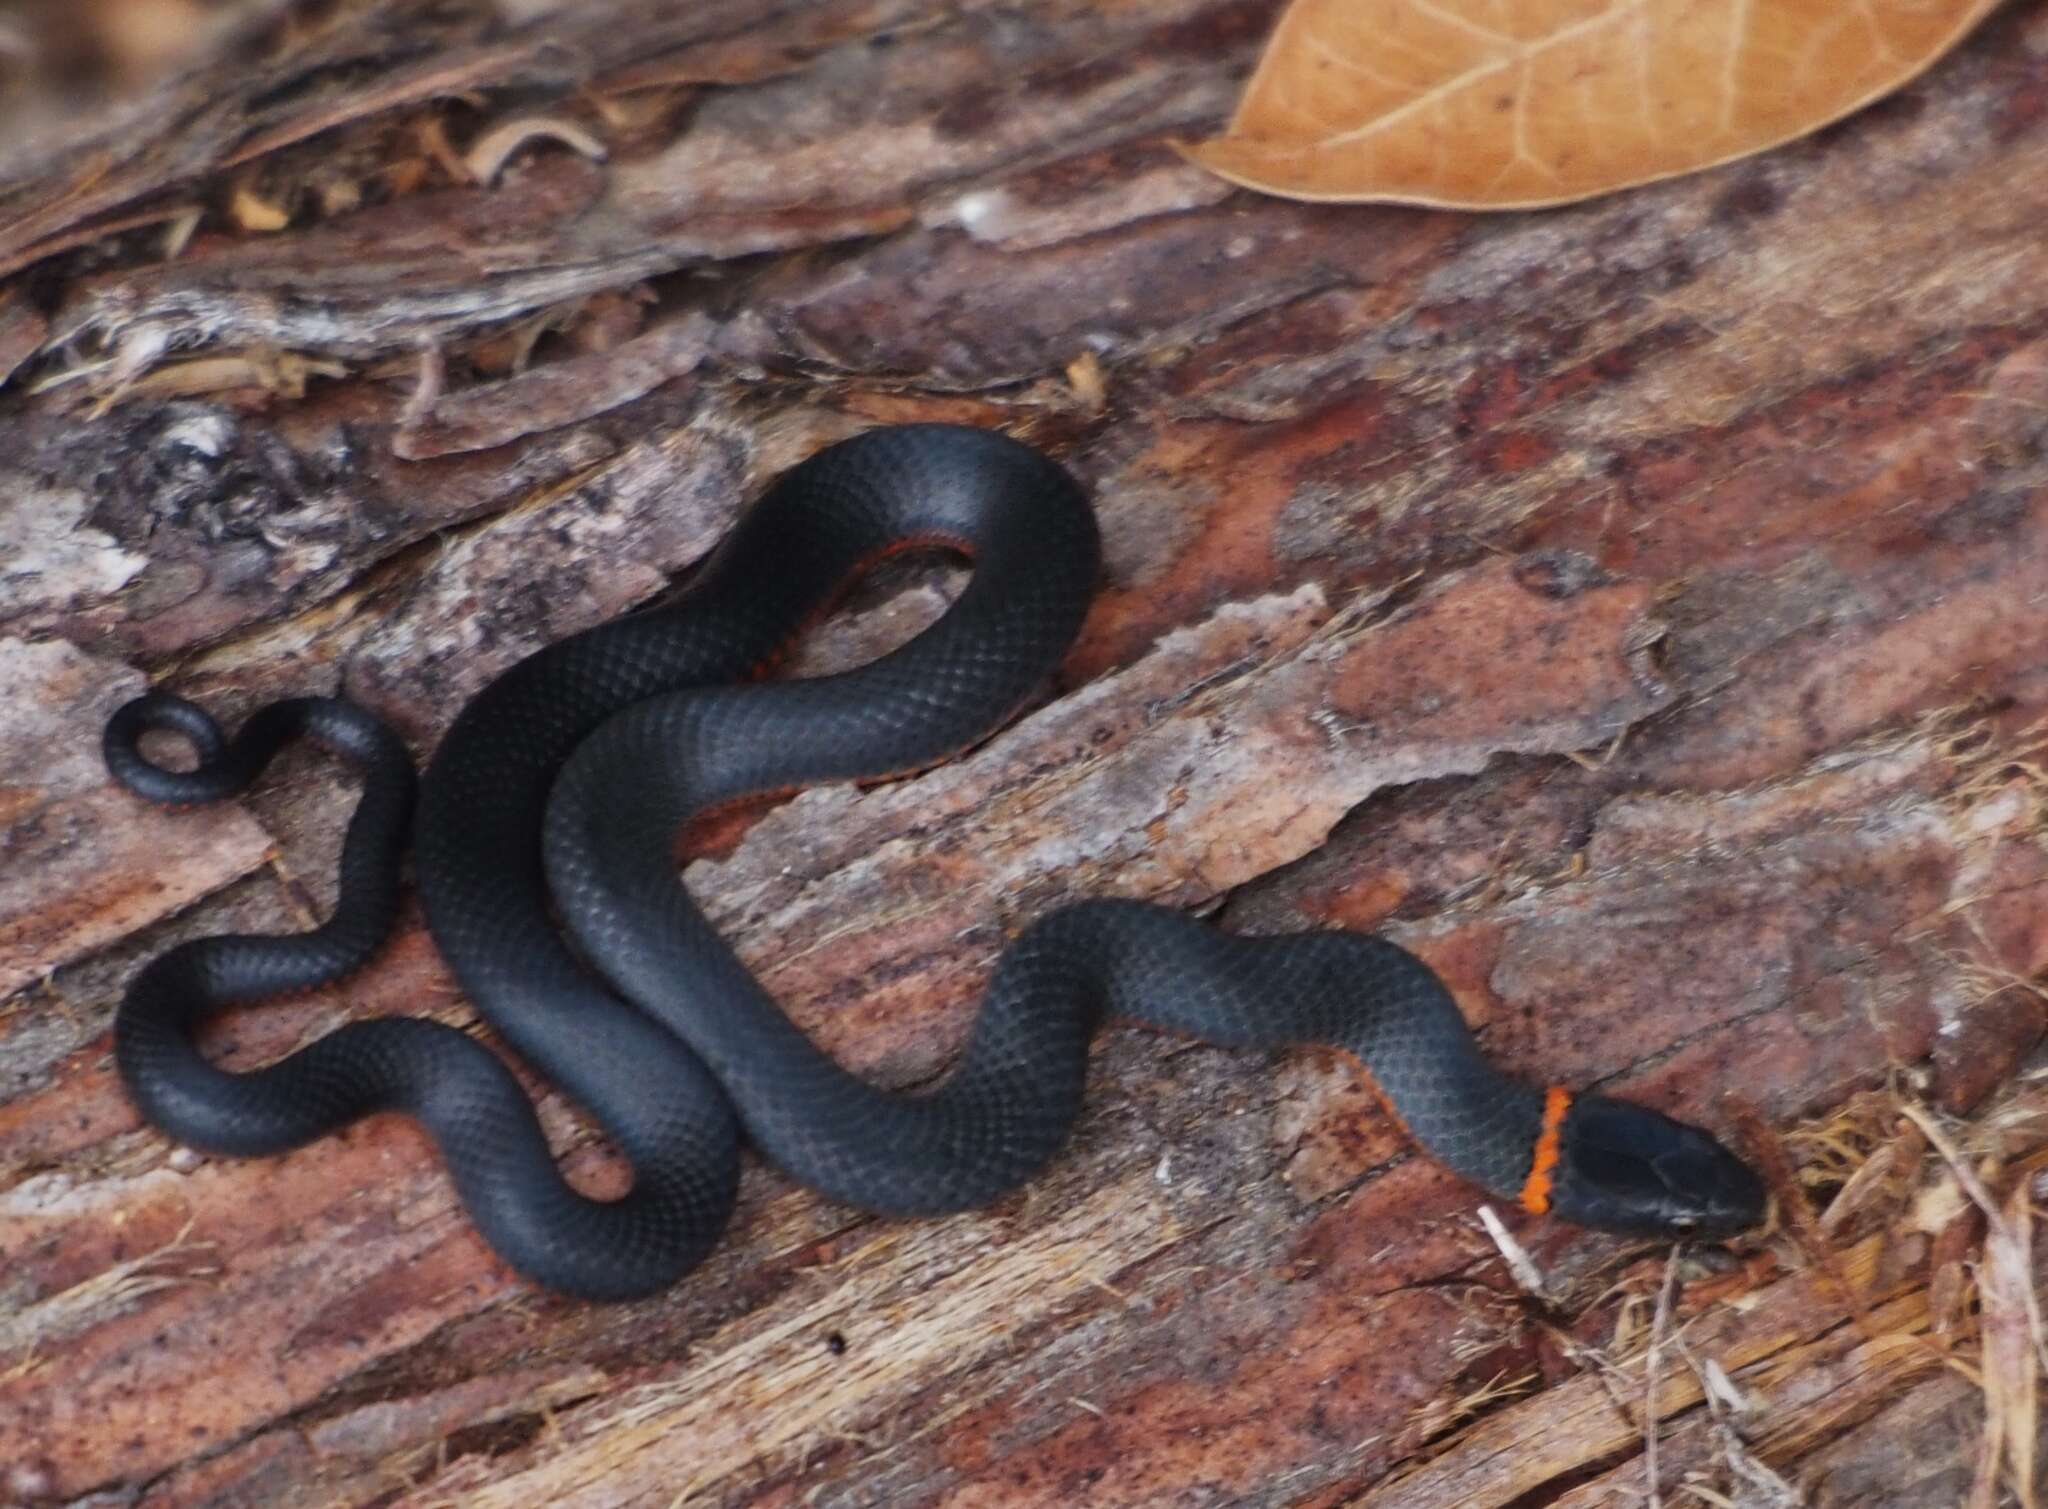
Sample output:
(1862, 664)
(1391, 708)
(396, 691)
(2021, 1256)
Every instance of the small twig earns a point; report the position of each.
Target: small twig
(1520, 1264)
(426, 392)
(1726, 1402)
(488, 154)
(2015, 1350)
(1994, 1218)
(1660, 1326)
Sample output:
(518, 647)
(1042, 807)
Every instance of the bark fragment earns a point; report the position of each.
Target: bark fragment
(85, 862)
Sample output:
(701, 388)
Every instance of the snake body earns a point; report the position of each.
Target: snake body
(564, 782)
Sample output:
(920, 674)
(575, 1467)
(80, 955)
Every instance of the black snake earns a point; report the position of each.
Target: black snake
(565, 781)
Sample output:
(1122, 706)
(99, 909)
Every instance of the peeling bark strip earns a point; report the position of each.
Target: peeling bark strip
(46, 207)
(86, 863)
(610, 541)
(171, 525)
(1158, 782)
(576, 389)
(772, 1390)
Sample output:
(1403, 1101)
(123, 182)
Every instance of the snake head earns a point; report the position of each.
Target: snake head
(1626, 1168)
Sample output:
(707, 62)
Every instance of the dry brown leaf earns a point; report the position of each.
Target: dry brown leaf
(1504, 104)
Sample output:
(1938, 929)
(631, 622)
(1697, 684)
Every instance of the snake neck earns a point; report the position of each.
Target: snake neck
(1427, 1068)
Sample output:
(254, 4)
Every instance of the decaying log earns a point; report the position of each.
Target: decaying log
(1635, 609)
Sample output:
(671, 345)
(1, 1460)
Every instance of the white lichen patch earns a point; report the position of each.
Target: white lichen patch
(50, 558)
